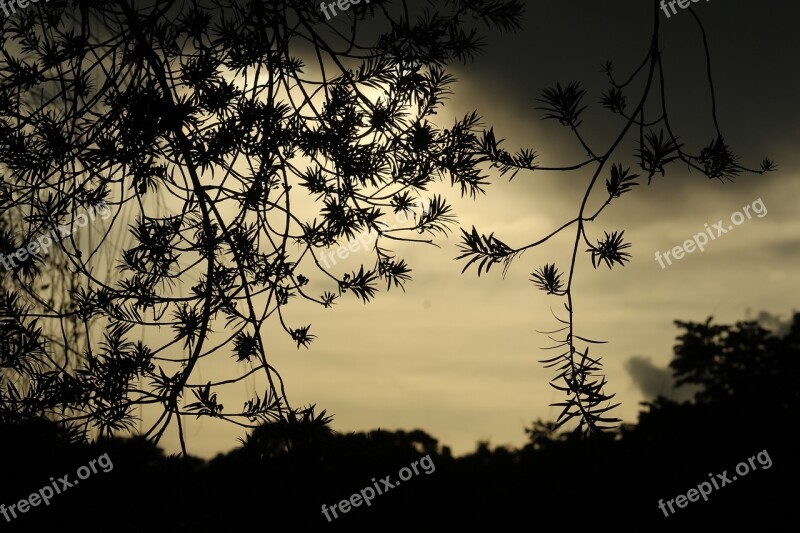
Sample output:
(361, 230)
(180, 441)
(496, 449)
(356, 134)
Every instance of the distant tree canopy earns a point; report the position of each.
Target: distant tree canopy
(743, 363)
(235, 140)
(743, 372)
(286, 468)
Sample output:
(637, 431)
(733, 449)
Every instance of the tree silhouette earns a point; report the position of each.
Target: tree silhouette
(744, 361)
(236, 141)
(285, 469)
(743, 370)
(646, 125)
(240, 140)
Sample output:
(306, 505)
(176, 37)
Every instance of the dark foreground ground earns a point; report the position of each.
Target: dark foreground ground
(743, 416)
(564, 483)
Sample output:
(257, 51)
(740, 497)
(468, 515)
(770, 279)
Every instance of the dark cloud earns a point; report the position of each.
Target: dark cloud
(656, 381)
(778, 326)
(755, 82)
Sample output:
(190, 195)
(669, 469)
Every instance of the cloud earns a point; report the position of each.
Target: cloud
(778, 326)
(655, 381)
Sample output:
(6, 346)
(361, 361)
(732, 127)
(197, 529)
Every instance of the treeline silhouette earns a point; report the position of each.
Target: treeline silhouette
(283, 472)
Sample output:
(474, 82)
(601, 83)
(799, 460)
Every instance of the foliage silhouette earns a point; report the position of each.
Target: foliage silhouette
(236, 141)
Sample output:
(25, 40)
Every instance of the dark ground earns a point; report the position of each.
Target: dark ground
(555, 480)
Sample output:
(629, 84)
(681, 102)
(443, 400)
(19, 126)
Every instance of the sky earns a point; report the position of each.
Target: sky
(456, 355)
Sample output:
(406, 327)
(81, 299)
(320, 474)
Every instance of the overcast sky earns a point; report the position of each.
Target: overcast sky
(457, 356)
